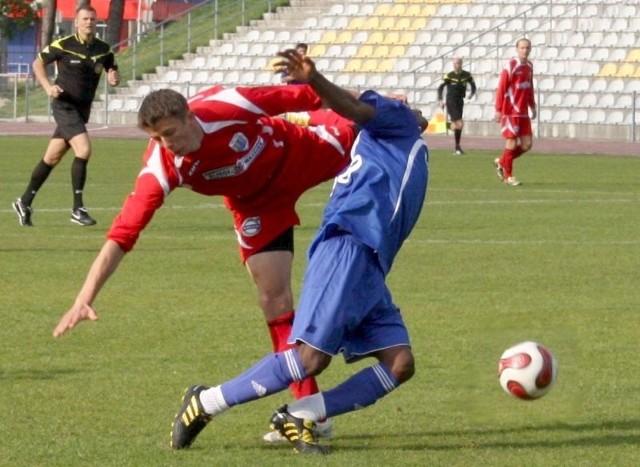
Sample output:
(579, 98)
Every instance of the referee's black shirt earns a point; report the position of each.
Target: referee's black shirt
(80, 65)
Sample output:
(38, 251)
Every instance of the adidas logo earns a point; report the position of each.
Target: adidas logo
(259, 389)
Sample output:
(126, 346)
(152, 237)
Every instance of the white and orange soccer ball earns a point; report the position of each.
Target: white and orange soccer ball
(527, 370)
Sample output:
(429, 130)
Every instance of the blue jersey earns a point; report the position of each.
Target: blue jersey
(378, 198)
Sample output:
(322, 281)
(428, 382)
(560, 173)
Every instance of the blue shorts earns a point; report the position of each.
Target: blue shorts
(345, 305)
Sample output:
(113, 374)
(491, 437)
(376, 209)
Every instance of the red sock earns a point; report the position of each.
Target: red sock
(279, 330)
(507, 161)
(517, 152)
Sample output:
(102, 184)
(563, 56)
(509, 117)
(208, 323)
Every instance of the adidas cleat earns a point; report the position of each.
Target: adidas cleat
(324, 430)
(299, 432)
(190, 419)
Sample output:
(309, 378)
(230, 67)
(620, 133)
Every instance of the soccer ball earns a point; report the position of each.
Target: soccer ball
(527, 370)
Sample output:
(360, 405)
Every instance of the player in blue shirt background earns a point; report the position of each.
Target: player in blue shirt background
(345, 305)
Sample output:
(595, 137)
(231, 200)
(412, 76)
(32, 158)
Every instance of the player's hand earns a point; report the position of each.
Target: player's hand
(497, 116)
(54, 91)
(78, 312)
(294, 66)
(113, 77)
(534, 113)
(442, 105)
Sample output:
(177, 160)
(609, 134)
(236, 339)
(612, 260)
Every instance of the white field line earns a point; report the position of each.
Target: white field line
(428, 203)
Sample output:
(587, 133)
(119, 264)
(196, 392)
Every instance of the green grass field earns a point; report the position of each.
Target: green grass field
(555, 260)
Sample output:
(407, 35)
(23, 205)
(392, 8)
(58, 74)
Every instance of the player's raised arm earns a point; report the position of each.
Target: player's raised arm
(103, 266)
(303, 69)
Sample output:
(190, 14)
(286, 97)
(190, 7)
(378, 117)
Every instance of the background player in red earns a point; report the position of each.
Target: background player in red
(227, 142)
(514, 98)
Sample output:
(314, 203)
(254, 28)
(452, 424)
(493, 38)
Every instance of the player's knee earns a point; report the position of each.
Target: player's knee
(525, 146)
(404, 368)
(313, 360)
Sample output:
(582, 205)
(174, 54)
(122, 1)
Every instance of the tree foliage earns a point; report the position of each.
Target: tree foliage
(17, 14)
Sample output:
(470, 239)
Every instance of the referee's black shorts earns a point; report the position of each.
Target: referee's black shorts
(70, 119)
(454, 109)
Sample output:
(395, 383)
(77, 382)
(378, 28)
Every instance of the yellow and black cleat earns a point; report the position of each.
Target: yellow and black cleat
(190, 419)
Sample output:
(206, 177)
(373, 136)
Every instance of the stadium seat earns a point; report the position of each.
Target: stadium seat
(562, 116)
(546, 84)
(606, 101)
(615, 85)
(376, 37)
(344, 37)
(570, 100)
(553, 100)
(365, 51)
(589, 99)
(115, 105)
(388, 23)
(563, 84)
(357, 23)
(199, 62)
(597, 116)
(131, 105)
(170, 76)
(608, 69)
(626, 70)
(545, 114)
(579, 116)
(614, 117)
(201, 77)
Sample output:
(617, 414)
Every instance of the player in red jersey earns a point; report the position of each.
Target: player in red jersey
(229, 142)
(514, 98)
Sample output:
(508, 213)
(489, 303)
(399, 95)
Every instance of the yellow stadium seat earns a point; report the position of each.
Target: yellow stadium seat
(329, 37)
(357, 23)
(428, 10)
(388, 23)
(345, 37)
(382, 9)
(365, 51)
(626, 70)
(355, 64)
(397, 10)
(376, 37)
(369, 65)
(385, 65)
(372, 22)
(419, 23)
(403, 24)
(381, 51)
(407, 37)
(413, 10)
(634, 56)
(318, 50)
(391, 38)
(397, 51)
(608, 69)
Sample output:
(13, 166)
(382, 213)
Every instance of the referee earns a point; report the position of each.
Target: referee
(456, 82)
(80, 60)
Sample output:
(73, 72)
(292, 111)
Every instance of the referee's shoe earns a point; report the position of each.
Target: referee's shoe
(80, 216)
(23, 211)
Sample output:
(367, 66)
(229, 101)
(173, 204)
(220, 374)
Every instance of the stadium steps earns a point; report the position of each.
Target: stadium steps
(380, 44)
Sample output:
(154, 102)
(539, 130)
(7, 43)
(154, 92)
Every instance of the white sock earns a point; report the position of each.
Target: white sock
(310, 407)
(212, 401)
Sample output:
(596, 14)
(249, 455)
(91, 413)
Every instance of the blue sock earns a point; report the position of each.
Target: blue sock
(361, 390)
(272, 374)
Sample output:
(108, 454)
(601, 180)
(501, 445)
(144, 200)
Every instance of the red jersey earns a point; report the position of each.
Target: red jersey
(259, 163)
(515, 89)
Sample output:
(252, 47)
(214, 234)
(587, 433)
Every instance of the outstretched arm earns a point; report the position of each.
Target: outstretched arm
(303, 69)
(103, 266)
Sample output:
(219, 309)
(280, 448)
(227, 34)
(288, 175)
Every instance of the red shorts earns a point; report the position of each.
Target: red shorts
(315, 156)
(515, 127)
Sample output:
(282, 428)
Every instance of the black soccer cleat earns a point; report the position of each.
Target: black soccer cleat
(23, 211)
(190, 419)
(299, 432)
(80, 216)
